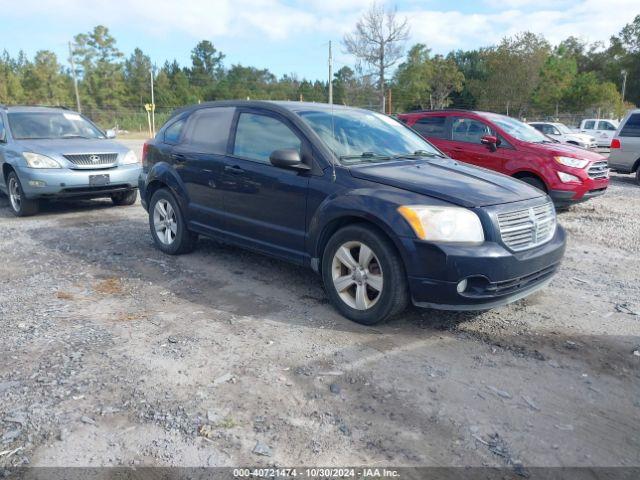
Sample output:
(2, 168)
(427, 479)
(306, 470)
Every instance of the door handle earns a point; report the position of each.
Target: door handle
(178, 157)
(235, 170)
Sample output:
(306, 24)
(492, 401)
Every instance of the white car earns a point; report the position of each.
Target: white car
(601, 128)
(563, 134)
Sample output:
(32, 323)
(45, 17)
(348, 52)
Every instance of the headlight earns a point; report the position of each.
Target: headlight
(567, 177)
(443, 224)
(36, 160)
(129, 159)
(571, 162)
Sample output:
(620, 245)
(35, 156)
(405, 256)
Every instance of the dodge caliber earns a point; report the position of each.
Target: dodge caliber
(53, 152)
(381, 214)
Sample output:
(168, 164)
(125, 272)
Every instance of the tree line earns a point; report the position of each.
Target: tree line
(522, 75)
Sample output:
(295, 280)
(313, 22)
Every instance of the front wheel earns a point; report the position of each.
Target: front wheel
(125, 198)
(168, 225)
(364, 276)
(534, 182)
(638, 176)
(20, 205)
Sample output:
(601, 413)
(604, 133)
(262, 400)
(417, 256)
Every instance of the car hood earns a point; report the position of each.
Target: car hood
(564, 150)
(449, 180)
(66, 146)
(581, 137)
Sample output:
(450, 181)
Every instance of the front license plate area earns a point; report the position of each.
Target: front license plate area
(98, 180)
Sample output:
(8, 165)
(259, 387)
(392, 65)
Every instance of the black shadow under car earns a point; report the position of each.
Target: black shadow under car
(380, 213)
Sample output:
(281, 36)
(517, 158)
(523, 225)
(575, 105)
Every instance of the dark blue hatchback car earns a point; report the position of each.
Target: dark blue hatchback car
(381, 214)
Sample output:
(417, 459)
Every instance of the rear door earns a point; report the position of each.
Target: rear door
(3, 145)
(199, 160)
(266, 205)
(604, 132)
(629, 137)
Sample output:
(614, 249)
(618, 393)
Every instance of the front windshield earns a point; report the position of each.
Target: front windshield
(362, 136)
(563, 128)
(37, 125)
(518, 129)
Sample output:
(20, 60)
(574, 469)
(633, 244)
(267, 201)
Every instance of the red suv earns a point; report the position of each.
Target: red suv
(568, 174)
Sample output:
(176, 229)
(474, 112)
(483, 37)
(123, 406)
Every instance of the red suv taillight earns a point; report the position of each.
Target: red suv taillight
(145, 150)
(615, 143)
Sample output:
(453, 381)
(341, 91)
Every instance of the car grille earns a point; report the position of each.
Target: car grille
(527, 228)
(599, 170)
(93, 160)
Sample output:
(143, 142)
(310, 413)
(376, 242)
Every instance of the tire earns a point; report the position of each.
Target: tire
(534, 182)
(361, 300)
(125, 198)
(20, 206)
(638, 175)
(179, 240)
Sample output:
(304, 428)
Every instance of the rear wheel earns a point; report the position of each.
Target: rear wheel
(638, 175)
(364, 276)
(20, 205)
(534, 182)
(168, 226)
(125, 198)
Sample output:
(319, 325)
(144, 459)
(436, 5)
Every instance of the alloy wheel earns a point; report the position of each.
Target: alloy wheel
(357, 275)
(15, 195)
(165, 222)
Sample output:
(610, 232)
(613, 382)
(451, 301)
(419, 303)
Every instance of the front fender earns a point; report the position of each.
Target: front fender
(373, 205)
(165, 174)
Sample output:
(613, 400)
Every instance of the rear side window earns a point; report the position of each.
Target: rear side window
(605, 126)
(173, 132)
(257, 136)
(431, 127)
(631, 127)
(208, 129)
(589, 125)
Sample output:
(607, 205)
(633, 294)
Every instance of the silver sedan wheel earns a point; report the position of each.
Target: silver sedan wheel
(164, 222)
(15, 195)
(357, 275)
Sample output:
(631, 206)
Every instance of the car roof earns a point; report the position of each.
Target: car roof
(292, 106)
(33, 109)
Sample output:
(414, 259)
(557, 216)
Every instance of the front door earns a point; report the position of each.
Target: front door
(266, 205)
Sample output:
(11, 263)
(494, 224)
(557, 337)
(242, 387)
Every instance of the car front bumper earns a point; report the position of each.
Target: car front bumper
(63, 182)
(495, 276)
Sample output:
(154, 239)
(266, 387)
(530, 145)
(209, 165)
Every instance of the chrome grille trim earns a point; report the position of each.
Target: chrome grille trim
(92, 160)
(599, 170)
(528, 227)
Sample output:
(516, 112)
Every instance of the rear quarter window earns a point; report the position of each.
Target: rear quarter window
(631, 127)
(431, 127)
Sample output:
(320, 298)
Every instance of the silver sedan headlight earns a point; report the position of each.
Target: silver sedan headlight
(443, 224)
(129, 159)
(37, 160)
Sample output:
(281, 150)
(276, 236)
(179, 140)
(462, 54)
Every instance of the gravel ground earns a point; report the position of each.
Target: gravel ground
(115, 354)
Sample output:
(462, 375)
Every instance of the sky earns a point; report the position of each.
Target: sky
(291, 36)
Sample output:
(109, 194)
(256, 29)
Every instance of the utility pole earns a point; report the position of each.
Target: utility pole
(153, 106)
(330, 75)
(75, 78)
(624, 83)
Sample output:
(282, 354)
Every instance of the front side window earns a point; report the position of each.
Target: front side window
(431, 127)
(469, 130)
(357, 136)
(589, 125)
(605, 126)
(631, 127)
(208, 129)
(258, 136)
(51, 125)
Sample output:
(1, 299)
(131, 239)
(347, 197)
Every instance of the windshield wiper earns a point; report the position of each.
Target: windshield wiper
(366, 157)
(77, 136)
(419, 154)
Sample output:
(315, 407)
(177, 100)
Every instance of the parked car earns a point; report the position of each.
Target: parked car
(381, 214)
(625, 146)
(53, 153)
(601, 128)
(563, 134)
(568, 174)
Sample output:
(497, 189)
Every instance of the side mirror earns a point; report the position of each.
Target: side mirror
(110, 133)
(491, 141)
(287, 158)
